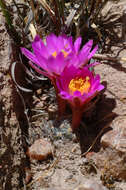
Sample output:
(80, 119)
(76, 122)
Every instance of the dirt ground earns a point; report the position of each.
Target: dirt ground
(23, 123)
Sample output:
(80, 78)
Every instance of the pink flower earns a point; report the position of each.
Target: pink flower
(82, 56)
(78, 87)
(51, 56)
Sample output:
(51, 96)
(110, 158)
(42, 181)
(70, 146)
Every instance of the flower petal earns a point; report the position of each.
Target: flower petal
(51, 43)
(93, 64)
(29, 55)
(77, 44)
(100, 87)
(42, 62)
(95, 82)
(88, 46)
(34, 66)
(56, 65)
(64, 95)
(38, 46)
(93, 52)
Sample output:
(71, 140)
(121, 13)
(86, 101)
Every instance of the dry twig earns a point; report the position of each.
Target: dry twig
(108, 58)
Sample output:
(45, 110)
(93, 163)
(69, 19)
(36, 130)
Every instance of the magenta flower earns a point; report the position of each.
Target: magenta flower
(78, 87)
(51, 56)
(82, 56)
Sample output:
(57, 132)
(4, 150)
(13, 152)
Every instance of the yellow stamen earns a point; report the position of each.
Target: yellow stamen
(64, 53)
(79, 84)
(54, 54)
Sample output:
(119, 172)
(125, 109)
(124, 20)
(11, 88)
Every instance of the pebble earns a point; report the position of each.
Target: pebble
(40, 150)
(112, 157)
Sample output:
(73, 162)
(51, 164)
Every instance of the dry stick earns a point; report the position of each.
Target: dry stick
(108, 58)
(62, 12)
(33, 9)
(57, 14)
(49, 10)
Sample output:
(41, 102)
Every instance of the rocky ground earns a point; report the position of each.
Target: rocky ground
(95, 157)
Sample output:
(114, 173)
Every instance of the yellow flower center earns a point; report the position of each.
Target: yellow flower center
(54, 54)
(79, 84)
(64, 53)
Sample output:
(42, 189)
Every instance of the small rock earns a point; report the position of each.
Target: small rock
(40, 150)
(112, 157)
(91, 185)
(116, 139)
(115, 144)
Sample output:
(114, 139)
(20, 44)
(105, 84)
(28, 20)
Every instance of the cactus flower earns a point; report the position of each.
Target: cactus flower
(51, 56)
(78, 87)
